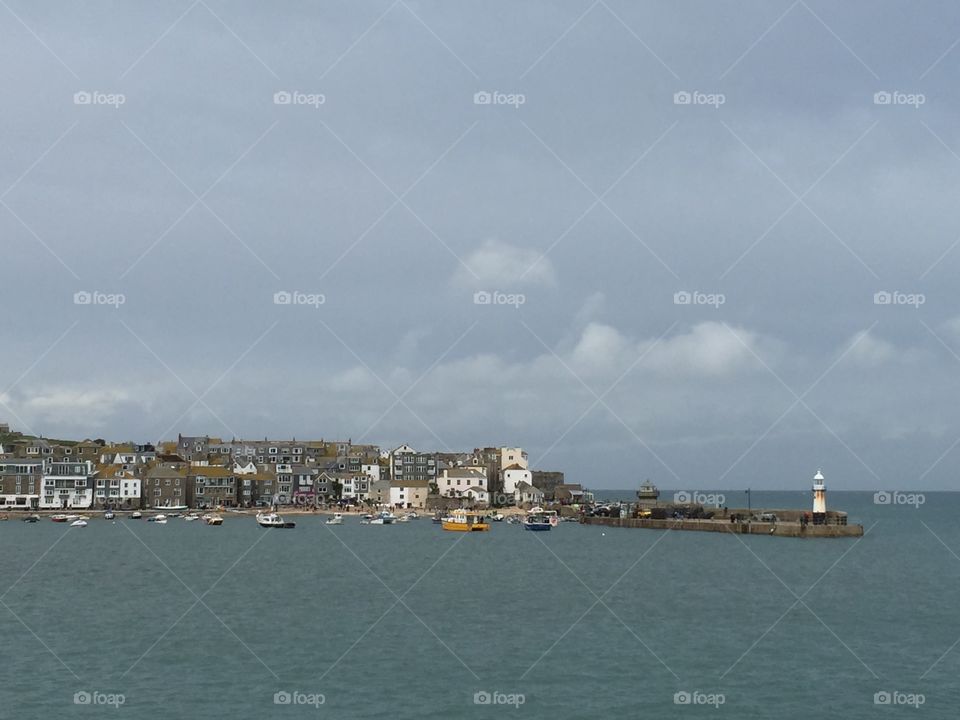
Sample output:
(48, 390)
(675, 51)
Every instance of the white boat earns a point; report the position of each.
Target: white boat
(337, 519)
(136, 515)
(273, 520)
(161, 519)
(214, 520)
(384, 517)
(79, 522)
(403, 518)
(190, 518)
(108, 515)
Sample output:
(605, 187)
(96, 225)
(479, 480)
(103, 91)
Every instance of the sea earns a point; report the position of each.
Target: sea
(132, 619)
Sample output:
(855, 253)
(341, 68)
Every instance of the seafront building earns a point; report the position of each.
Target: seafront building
(202, 471)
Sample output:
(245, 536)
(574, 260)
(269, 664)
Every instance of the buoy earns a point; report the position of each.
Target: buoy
(603, 534)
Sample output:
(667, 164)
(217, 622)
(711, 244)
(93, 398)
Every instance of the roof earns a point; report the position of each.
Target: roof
(466, 472)
(211, 471)
(166, 471)
(410, 483)
(525, 487)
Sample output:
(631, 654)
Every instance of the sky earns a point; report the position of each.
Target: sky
(706, 243)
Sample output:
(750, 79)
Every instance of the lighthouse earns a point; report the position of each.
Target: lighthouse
(819, 499)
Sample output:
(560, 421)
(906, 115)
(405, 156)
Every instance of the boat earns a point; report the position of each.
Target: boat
(214, 520)
(412, 515)
(337, 519)
(136, 515)
(273, 520)
(162, 519)
(32, 518)
(366, 519)
(79, 522)
(63, 518)
(403, 518)
(513, 520)
(171, 508)
(437, 518)
(464, 521)
(539, 520)
(108, 515)
(496, 517)
(191, 517)
(384, 517)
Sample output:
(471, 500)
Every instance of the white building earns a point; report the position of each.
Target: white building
(454, 482)
(409, 493)
(68, 485)
(116, 487)
(513, 475)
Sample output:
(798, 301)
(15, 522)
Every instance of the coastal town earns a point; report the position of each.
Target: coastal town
(204, 472)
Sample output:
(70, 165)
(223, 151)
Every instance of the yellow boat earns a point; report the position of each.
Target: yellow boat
(464, 521)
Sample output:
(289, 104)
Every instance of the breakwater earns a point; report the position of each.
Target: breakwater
(777, 529)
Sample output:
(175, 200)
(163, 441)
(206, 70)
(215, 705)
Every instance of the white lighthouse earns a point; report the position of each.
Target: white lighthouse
(819, 499)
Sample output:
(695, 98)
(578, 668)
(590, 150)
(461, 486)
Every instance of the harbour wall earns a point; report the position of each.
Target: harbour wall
(778, 529)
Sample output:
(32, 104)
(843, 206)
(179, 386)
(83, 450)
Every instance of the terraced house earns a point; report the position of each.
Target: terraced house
(165, 486)
(118, 487)
(20, 482)
(68, 485)
(213, 486)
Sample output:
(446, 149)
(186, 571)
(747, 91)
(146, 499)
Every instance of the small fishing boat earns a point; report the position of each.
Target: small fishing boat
(214, 520)
(366, 519)
(191, 517)
(337, 519)
(273, 520)
(108, 515)
(32, 518)
(136, 515)
(437, 518)
(403, 519)
(161, 519)
(496, 517)
(412, 515)
(540, 520)
(465, 521)
(63, 518)
(79, 522)
(384, 517)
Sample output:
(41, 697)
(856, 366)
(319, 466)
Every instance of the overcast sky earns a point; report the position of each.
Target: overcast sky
(147, 158)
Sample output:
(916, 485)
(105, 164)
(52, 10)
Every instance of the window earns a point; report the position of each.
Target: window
(273, 451)
(167, 483)
(101, 483)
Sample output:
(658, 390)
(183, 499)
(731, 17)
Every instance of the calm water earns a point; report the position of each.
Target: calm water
(111, 609)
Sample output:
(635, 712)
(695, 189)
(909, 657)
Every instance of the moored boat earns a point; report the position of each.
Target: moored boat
(540, 520)
(136, 515)
(79, 522)
(214, 520)
(32, 518)
(337, 519)
(109, 515)
(465, 521)
(273, 520)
